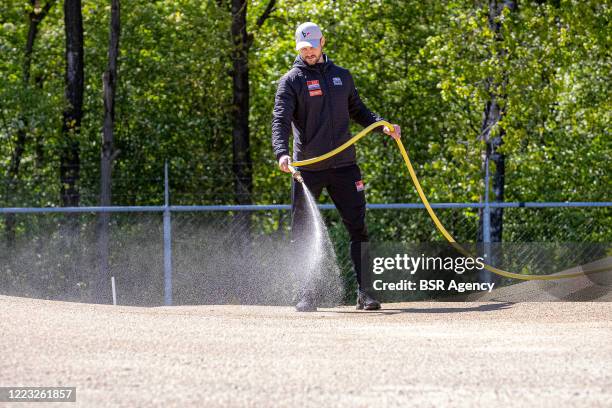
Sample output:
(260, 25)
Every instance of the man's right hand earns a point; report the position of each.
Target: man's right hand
(283, 163)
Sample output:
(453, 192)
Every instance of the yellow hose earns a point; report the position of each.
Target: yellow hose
(431, 212)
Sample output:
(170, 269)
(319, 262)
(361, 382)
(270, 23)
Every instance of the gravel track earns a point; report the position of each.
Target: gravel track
(546, 354)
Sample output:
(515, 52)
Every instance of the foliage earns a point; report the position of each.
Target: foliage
(427, 66)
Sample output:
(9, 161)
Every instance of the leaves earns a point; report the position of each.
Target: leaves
(424, 66)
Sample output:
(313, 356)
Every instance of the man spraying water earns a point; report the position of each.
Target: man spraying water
(315, 101)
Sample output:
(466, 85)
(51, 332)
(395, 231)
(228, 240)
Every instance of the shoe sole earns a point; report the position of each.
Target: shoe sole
(362, 307)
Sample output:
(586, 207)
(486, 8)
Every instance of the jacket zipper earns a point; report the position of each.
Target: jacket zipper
(331, 114)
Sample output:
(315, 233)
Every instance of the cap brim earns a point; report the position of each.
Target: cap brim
(309, 43)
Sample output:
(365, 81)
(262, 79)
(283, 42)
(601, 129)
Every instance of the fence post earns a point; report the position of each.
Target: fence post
(486, 215)
(167, 241)
(485, 275)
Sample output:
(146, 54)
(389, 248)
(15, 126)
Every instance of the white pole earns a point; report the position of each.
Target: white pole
(114, 291)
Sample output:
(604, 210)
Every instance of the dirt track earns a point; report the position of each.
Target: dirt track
(416, 354)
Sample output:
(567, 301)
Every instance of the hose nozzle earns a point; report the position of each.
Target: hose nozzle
(296, 174)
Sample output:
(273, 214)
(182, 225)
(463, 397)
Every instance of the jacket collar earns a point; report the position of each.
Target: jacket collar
(323, 66)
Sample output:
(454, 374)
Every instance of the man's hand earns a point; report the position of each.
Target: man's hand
(396, 133)
(283, 163)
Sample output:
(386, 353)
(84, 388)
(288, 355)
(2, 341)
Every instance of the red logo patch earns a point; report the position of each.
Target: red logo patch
(359, 185)
(314, 87)
(314, 84)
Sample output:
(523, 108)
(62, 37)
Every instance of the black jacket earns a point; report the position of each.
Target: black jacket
(317, 102)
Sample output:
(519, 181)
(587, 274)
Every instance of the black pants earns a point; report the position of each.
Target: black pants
(345, 188)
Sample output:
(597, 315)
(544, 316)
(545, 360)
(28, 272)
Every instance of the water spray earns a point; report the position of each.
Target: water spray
(320, 274)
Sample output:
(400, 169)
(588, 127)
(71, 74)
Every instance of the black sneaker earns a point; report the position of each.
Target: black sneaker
(366, 302)
(306, 304)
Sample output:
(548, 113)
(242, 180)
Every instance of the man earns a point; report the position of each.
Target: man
(315, 100)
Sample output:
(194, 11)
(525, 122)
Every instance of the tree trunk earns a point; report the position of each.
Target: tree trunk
(242, 165)
(69, 148)
(108, 154)
(35, 18)
(69, 156)
(492, 115)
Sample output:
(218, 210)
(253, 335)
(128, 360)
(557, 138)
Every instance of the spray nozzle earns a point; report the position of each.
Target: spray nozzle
(296, 174)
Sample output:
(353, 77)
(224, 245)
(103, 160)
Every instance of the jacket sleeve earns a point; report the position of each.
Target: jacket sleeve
(284, 105)
(358, 111)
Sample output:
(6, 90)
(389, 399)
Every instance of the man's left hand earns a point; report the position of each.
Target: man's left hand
(396, 133)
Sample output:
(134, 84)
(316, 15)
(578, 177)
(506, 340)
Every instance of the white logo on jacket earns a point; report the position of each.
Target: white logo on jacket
(337, 81)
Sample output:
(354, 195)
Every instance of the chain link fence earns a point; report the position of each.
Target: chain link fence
(232, 254)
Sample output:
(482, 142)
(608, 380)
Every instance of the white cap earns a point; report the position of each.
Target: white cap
(308, 35)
